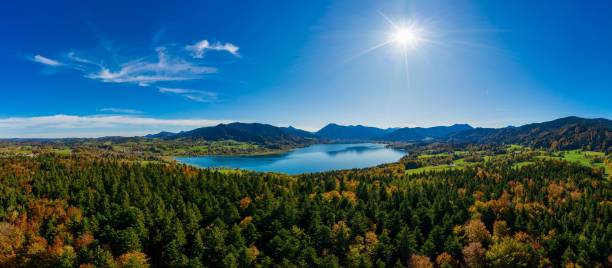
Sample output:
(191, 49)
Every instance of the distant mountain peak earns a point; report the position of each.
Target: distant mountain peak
(462, 125)
(424, 134)
(333, 131)
(160, 135)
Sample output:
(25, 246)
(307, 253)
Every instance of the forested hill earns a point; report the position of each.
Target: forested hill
(161, 135)
(338, 132)
(420, 133)
(246, 132)
(564, 133)
(299, 132)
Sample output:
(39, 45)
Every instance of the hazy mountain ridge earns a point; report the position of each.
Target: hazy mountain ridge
(352, 132)
(161, 135)
(360, 132)
(420, 133)
(300, 132)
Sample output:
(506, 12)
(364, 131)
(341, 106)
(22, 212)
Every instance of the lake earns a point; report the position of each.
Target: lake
(315, 158)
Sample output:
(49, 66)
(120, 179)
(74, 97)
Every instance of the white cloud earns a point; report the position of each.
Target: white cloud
(62, 125)
(173, 90)
(75, 121)
(199, 49)
(194, 95)
(77, 59)
(145, 72)
(120, 110)
(171, 64)
(46, 61)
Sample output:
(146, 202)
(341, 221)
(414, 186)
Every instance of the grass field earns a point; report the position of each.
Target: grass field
(432, 168)
(522, 164)
(586, 158)
(433, 155)
(457, 164)
(29, 150)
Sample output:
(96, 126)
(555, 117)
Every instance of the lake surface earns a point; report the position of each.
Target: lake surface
(315, 158)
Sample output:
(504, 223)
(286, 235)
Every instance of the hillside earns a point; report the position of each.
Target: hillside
(337, 132)
(262, 134)
(564, 133)
(299, 132)
(160, 135)
(420, 134)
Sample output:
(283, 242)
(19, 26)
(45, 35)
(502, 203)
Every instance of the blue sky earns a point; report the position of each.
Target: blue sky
(96, 68)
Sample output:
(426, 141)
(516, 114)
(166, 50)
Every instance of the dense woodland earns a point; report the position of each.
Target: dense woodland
(79, 210)
(561, 134)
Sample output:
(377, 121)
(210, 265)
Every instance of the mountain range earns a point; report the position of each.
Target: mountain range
(424, 134)
(564, 133)
(338, 132)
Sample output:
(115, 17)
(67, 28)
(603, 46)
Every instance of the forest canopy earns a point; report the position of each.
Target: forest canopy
(78, 210)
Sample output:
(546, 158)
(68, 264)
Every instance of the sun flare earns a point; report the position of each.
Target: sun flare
(407, 37)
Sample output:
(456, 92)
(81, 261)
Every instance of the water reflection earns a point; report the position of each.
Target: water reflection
(354, 149)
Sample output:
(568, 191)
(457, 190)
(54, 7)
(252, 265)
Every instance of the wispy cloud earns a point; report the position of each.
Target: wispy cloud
(170, 64)
(194, 95)
(46, 61)
(61, 125)
(79, 61)
(199, 49)
(145, 72)
(120, 111)
(75, 121)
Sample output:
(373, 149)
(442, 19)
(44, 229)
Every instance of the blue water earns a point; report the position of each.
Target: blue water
(315, 158)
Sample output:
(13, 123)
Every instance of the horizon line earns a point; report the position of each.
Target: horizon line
(91, 132)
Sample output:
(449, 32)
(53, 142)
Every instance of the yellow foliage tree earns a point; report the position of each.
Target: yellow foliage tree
(133, 260)
(509, 252)
(419, 261)
(476, 231)
(473, 255)
(445, 260)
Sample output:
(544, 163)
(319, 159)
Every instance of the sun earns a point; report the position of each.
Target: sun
(407, 36)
